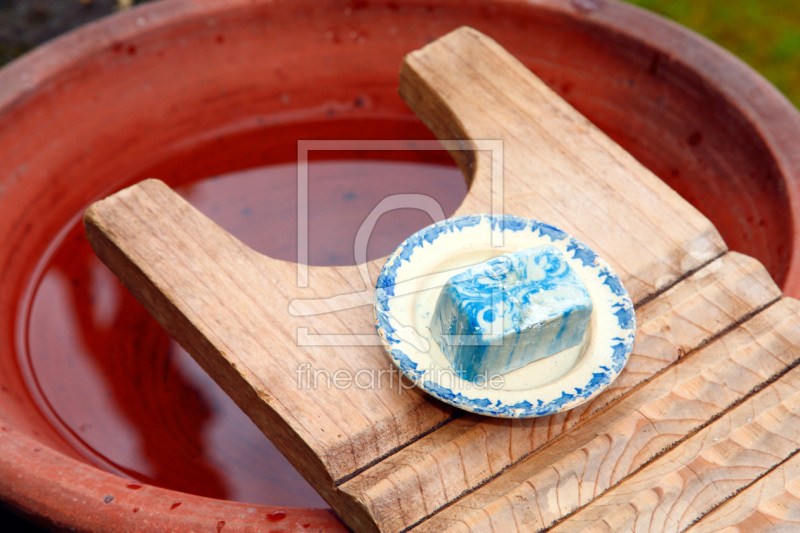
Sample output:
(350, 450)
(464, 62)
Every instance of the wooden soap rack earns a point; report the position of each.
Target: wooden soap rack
(700, 431)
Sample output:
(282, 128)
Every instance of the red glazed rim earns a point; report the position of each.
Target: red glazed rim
(62, 492)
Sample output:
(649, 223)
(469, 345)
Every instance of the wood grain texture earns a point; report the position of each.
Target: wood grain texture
(688, 482)
(573, 470)
(556, 165)
(770, 504)
(430, 473)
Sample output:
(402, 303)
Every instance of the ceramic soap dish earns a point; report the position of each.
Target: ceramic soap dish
(410, 285)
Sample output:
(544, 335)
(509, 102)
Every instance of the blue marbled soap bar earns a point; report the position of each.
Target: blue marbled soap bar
(509, 311)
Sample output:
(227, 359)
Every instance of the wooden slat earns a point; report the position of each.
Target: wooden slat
(432, 472)
(571, 471)
(772, 503)
(690, 481)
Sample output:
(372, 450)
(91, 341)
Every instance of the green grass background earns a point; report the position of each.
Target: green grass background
(764, 33)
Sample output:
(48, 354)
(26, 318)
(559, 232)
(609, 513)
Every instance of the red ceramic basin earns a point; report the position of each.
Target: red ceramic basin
(104, 423)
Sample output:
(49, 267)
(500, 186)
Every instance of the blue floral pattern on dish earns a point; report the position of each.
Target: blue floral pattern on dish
(611, 356)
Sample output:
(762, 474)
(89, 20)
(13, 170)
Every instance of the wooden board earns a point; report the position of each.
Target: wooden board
(770, 504)
(556, 165)
(472, 450)
(389, 457)
(579, 466)
(685, 484)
